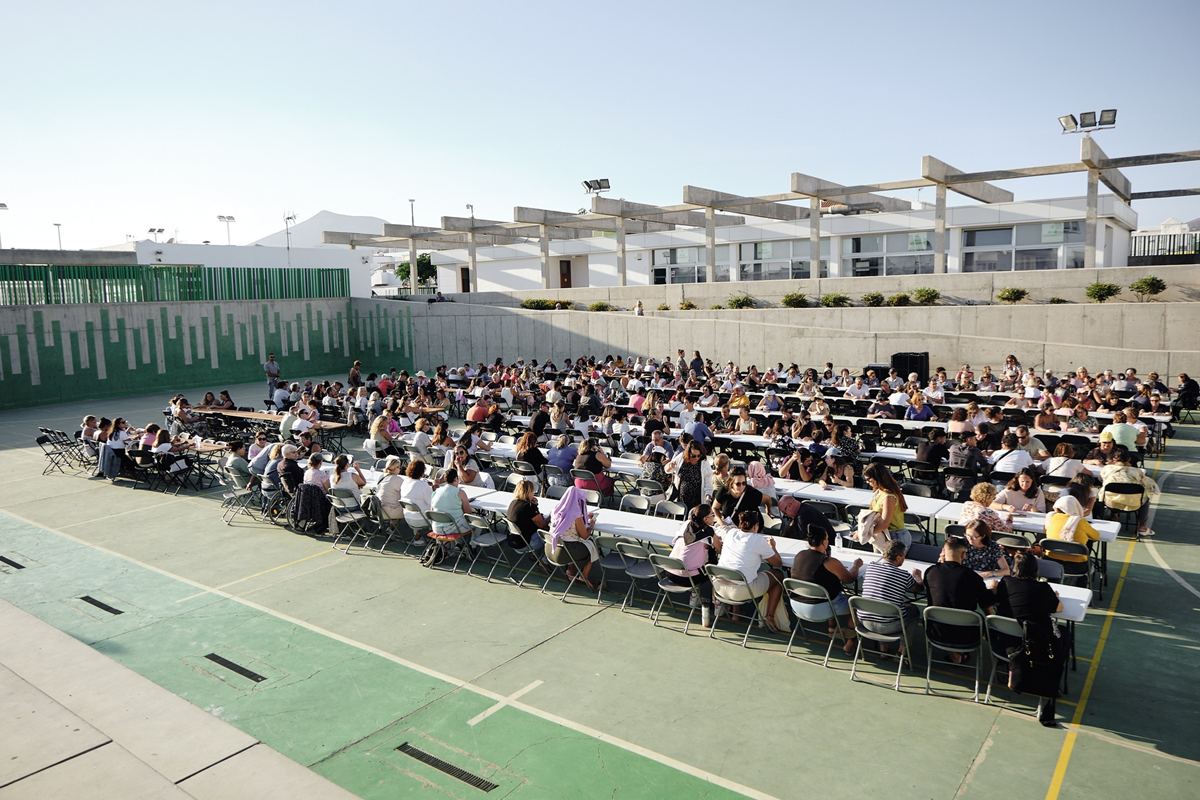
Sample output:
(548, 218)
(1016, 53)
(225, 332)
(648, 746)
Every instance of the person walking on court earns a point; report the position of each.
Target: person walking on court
(271, 368)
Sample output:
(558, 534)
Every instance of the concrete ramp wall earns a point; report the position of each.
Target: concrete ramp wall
(1149, 336)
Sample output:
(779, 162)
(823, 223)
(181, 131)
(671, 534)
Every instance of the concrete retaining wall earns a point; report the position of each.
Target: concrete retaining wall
(957, 289)
(1150, 336)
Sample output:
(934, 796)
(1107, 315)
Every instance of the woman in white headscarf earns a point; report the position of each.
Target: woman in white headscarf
(571, 533)
(1066, 522)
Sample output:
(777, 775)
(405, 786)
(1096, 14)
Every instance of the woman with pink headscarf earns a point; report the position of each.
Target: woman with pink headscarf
(758, 477)
(571, 529)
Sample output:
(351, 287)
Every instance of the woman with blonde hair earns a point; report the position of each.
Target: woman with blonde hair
(983, 494)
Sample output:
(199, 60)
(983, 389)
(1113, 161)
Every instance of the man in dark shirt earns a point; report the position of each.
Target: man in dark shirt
(698, 430)
(964, 454)
(933, 450)
(991, 431)
(799, 516)
(540, 419)
(951, 585)
(736, 495)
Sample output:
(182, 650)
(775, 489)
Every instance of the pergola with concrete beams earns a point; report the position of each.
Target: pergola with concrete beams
(622, 216)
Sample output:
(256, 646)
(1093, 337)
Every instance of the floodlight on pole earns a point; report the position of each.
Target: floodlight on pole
(287, 228)
(597, 186)
(155, 232)
(1089, 121)
(3, 207)
(58, 228)
(412, 212)
(226, 218)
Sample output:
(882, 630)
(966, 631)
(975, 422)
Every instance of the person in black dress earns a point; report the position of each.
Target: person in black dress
(1026, 599)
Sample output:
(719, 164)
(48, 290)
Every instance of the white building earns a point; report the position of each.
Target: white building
(996, 237)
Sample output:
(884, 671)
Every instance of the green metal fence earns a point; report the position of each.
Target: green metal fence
(98, 283)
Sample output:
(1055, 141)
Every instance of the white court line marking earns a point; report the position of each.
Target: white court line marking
(1150, 544)
(121, 513)
(636, 749)
(481, 717)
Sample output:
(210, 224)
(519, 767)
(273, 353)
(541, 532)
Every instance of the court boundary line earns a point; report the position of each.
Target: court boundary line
(458, 683)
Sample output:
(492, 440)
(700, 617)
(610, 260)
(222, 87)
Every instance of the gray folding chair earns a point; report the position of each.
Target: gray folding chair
(821, 611)
(634, 504)
(937, 617)
(527, 550)
(731, 578)
(670, 509)
(448, 545)
(668, 587)
(1002, 626)
(350, 518)
(880, 608)
(637, 569)
(563, 563)
(484, 538)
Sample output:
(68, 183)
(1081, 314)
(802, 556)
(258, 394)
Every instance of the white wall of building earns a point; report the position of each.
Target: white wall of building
(518, 267)
(211, 255)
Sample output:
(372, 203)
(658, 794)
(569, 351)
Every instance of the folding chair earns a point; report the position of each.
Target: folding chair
(521, 551)
(881, 608)
(637, 568)
(952, 619)
(447, 541)
(1127, 491)
(55, 458)
(483, 538)
(725, 577)
(667, 587)
(350, 518)
(178, 478)
(798, 592)
(373, 506)
(236, 497)
(566, 561)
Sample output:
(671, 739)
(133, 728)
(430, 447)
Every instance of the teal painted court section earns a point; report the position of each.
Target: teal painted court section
(59, 353)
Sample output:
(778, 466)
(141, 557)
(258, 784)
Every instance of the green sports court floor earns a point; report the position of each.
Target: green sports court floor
(351, 656)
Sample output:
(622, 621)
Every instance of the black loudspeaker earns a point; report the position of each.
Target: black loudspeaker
(906, 363)
(881, 371)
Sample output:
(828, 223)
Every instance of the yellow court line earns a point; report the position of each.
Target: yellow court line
(255, 575)
(1060, 769)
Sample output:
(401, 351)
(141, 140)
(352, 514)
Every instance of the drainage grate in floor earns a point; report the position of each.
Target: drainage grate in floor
(468, 778)
(238, 668)
(100, 605)
(12, 563)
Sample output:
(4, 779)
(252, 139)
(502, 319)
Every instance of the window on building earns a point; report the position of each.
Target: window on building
(862, 244)
(1041, 258)
(1073, 258)
(987, 261)
(858, 267)
(987, 237)
(910, 265)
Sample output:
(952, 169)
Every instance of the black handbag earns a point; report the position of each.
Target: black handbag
(1033, 666)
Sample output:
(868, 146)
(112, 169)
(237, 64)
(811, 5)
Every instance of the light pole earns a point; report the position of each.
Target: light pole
(226, 219)
(58, 228)
(287, 228)
(412, 212)
(3, 207)
(156, 232)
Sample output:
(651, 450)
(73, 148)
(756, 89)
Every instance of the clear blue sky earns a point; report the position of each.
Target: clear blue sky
(168, 114)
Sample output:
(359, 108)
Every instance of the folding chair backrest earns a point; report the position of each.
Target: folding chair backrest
(1063, 547)
(633, 551)
(1013, 541)
(959, 618)
(880, 608)
(635, 504)
(828, 510)
(592, 497)
(556, 492)
(924, 552)
(726, 574)
(1005, 626)
(1050, 569)
(958, 531)
(670, 509)
(1130, 489)
(805, 590)
(662, 563)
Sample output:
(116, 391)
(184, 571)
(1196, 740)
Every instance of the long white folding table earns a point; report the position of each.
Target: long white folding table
(662, 531)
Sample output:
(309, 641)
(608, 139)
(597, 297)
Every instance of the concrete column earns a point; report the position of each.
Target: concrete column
(472, 264)
(1089, 228)
(412, 268)
(814, 238)
(544, 241)
(939, 231)
(710, 245)
(621, 251)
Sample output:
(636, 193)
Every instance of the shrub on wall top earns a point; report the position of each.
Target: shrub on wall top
(1148, 287)
(795, 300)
(872, 299)
(1012, 295)
(901, 299)
(926, 296)
(600, 305)
(835, 300)
(742, 301)
(1099, 292)
(687, 305)
(664, 306)
(538, 304)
